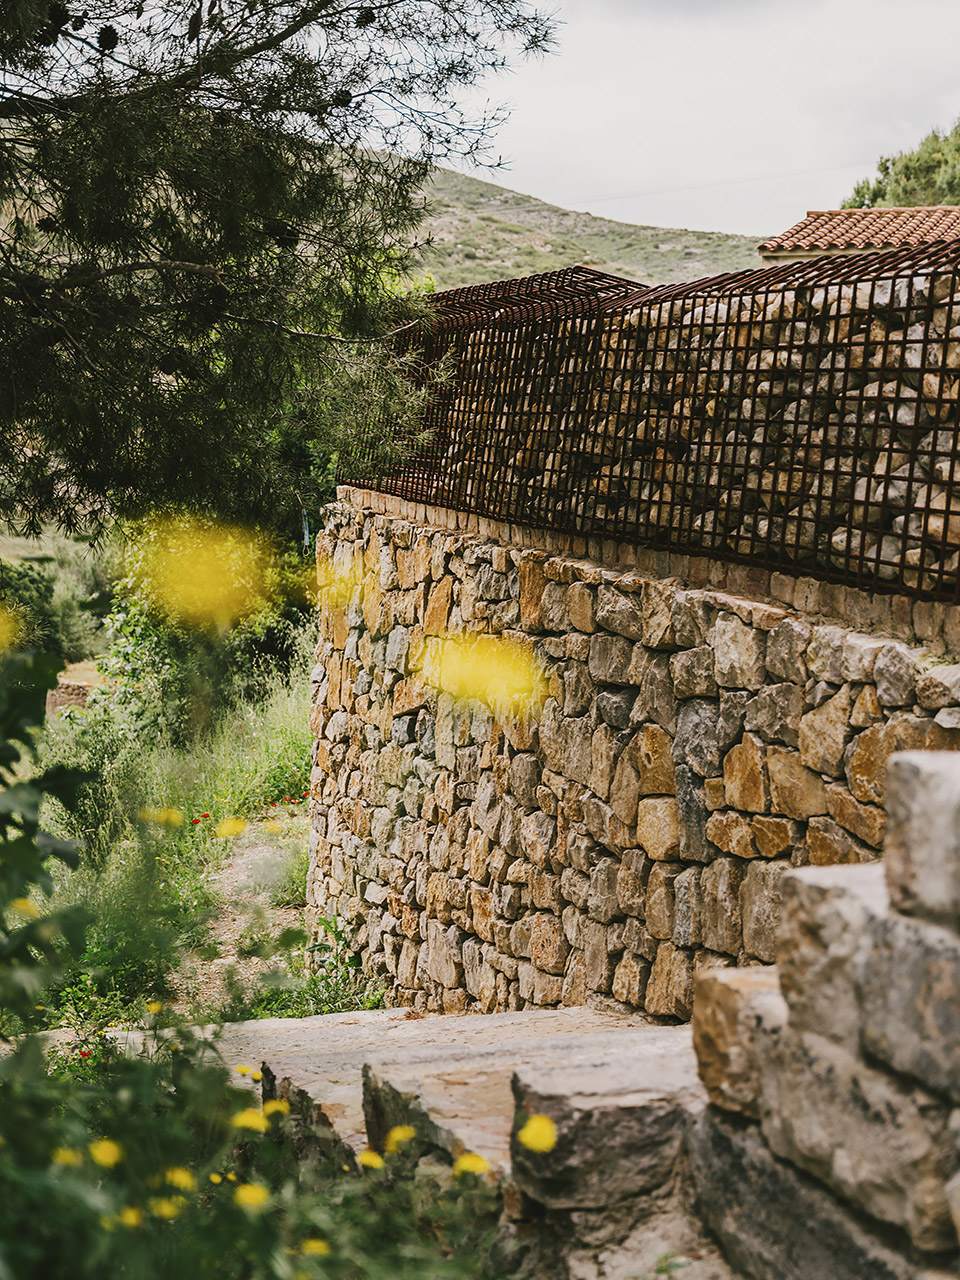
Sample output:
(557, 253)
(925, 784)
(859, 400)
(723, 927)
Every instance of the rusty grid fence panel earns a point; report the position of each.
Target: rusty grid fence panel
(802, 418)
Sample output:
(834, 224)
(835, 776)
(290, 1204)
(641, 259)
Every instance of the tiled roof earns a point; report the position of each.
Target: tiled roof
(828, 229)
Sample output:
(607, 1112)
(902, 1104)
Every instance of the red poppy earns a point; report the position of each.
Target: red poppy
(194, 820)
(204, 815)
(84, 1053)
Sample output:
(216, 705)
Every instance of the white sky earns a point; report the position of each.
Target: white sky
(724, 115)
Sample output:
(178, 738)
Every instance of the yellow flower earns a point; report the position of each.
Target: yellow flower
(154, 1006)
(216, 1178)
(502, 674)
(105, 1152)
(180, 1178)
(538, 1134)
(398, 1136)
(165, 817)
(107, 1222)
(202, 574)
(11, 627)
(314, 1248)
(469, 1162)
(67, 1156)
(166, 1206)
(131, 1217)
(242, 1069)
(273, 827)
(256, 1075)
(276, 1106)
(251, 1118)
(250, 1195)
(25, 909)
(370, 1160)
(230, 827)
(231, 1177)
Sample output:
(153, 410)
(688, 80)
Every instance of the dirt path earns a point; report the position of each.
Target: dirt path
(245, 885)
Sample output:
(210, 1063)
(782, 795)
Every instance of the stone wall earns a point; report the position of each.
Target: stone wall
(833, 1144)
(696, 745)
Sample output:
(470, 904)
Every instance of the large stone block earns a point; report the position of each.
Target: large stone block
(652, 748)
(732, 1008)
(670, 988)
(760, 896)
(657, 827)
(660, 898)
(795, 790)
(620, 612)
(720, 905)
(881, 1144)
(865, 759)
(692, 673)
(824, 733)
(774, 1222)
(738, 653)
(922, 849)
(695, 743)
(745, 776)
(775, 713)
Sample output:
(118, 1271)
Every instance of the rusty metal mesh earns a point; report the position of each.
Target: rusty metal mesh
(803, 418)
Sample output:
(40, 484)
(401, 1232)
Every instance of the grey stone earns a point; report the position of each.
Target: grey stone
(631, 882)
(486, 807)
(939, 687)
(538, 833)
(606, 747)
(444, 963)
(775, 713)
(720, 905)
(922, 847)
(824, 734)
(625, 790)
(553, 607)
(654, 695)
(660, 899)
(733, 1010)
(578, 689)
(602, 902)
(859, 654)
(692, 814)
(895, 675)
(692, 618)
(695, 743)
(524, 776)
(730, 721)
(760, 908)
(738, 653)
(786, 650)
(692, 673)
(620, 613)
(803, 1233)
(687, 908)
(825, 653)
(615, 705)
(609, 661)
(598, 966)
(398, 643)
(948, 718)
(578, 749)
(657, 605)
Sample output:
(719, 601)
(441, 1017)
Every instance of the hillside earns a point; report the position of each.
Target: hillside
(481, 232)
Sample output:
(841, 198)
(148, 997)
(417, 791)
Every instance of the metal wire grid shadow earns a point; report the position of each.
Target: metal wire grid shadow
(802, 418)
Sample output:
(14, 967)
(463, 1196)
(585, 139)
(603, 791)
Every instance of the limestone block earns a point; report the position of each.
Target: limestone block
(823, 925)
(695, 743)
(720, 892)
(922, 850)
(865, 759)
(532, 583)
(866, 709)
(908, 974)
(547, 988)
(829, 844)
(866, 821)
(524, 778)
(658, 827)
(631, 880)
(825, 653)
(775, 713)
(553, 607)
(630, 979)
(620, 612)
(895, 675)
(609, 661)
(692, 618)
(657, 775)
(486, 809)
(657, 601)
(604, 825)
(745, 777)
(574, 990)
(738, 653)
(655, 700)
(548, 944)
(581, 606)
(880, 1144)
(859, 654)
(606, 746)
(731, 832)
(687, 908)
(774, 835)
(596, 955)
(578, 689)
(660, 899)
(625, 789)
(538, 833)
(732, 1010)
(795, 790)
(760, 908)
(578, 749)
(803, 1232)
(437, 612)
(824, 733)
(786, 650)
(939, 687)
(616, 706)
(730, 721)
(602, 903)
(444, 963)
(691, 671)
(670, 986)
(692, 815)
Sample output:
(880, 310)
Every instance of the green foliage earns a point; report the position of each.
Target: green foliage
(291, 889)
(930, 174)
(28, 590)
(203, 220)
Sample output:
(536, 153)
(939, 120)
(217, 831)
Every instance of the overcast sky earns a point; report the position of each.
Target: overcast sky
(725, 115)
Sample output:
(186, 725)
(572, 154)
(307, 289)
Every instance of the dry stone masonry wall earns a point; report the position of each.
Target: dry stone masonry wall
(696, 746)
(835, 1077)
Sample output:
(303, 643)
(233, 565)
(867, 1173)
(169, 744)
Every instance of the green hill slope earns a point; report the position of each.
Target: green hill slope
(482, 232)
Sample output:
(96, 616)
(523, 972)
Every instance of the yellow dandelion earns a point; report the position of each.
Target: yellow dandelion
(105, 1152)
(202, 574)
(398, 1136)
(24, 908)
(166, 1206)
(11, 627)
(67, 1156)
(131, 1217)
(499, 673)
(216, 1179)
(180, 1178)
(242, 1069)
(314, 1248)
(256, 1075)
(154, 1006)
(276, 1106)
(370, 1160)
(231, 1177)
(538, 1134)
(230, 827)
(469, 1162)
(251, 1118)
(251, 1196)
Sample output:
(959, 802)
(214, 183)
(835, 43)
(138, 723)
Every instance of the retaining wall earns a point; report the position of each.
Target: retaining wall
(697, 743)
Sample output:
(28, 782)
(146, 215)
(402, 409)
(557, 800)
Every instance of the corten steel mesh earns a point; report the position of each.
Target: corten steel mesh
(803, 418)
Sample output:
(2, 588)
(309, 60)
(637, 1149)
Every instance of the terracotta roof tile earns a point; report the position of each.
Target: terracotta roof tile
(828, 229)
